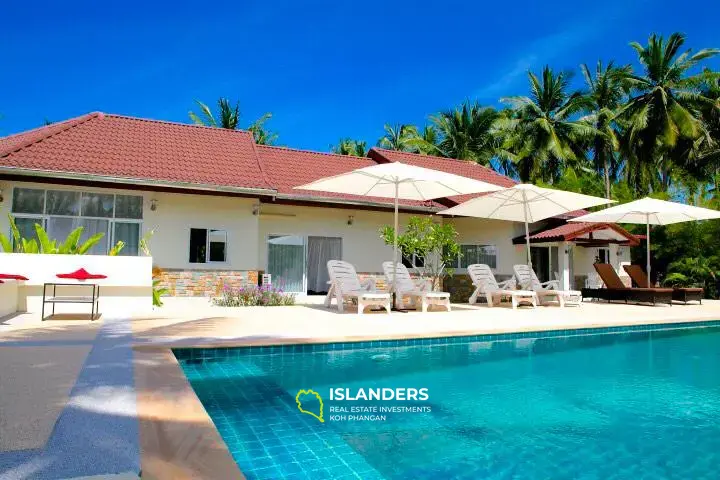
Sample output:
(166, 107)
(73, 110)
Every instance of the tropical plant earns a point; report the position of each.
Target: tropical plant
(43, 244)
(605, 93)
(693, 272)
(261, 134)
(435, 243)
(664, 111)
(467, 133)
(158, 288)
(228, 117)
(347, 146)
(398, 137)
(541, 137)
(145, 243)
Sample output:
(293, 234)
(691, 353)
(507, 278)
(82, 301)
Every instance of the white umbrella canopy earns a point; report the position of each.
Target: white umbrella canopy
(525, 203)
(649, 211)
(399, 181)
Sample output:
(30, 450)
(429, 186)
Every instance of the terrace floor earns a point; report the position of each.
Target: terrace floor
(84, 398)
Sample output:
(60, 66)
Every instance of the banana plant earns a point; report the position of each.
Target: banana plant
(43, 244)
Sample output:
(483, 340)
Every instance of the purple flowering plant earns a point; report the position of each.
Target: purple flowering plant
(254, 295)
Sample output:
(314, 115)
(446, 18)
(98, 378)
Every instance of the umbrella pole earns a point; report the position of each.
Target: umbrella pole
(647, 243)
(527, 234)
(395, 242)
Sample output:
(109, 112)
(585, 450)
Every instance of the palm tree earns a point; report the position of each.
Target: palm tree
(665, 109)
(425, 142)
(229, 117)
(605, 93)
(398, 137)
(540, 136)
(262, 135)
(347, 146)
(467, 133)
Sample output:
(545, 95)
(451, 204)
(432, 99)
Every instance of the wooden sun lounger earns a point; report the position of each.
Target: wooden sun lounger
(616, 290)
(680, 294)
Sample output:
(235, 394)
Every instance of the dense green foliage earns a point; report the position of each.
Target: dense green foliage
(627, 133)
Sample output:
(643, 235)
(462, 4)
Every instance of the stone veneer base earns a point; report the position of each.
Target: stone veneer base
(205, 283)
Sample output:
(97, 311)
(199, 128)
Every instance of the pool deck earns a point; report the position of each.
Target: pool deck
(111, 389)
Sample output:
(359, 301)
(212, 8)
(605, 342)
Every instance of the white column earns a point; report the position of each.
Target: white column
(564, 265)
(614, 257)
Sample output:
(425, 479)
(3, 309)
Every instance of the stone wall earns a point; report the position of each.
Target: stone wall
(460, 287)
(204, 283)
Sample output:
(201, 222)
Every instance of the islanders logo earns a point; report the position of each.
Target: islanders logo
(306, 400)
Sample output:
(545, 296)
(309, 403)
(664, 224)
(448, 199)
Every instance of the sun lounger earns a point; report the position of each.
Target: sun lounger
(345, 284)
(550, 289)
(484, 282)
(680, 294)
(615, 289)
(406, 287)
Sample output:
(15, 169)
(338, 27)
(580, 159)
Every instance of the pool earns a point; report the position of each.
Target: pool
(641, 402)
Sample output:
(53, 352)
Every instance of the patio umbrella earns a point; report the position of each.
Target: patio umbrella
(525, 203)
(649, 211)
(399, 181)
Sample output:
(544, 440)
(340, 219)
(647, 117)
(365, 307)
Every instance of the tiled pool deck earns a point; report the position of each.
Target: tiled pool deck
(177, 438)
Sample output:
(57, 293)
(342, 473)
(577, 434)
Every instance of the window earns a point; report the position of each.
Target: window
(208, 245)
(603, 255)
(118, 217)
(415, 261)
(472, 253)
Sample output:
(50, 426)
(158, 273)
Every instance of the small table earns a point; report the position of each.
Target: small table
(93, 299)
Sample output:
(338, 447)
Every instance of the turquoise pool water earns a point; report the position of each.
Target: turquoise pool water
(630, 404)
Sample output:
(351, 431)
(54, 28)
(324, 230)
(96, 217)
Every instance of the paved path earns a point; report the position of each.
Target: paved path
(97, 432)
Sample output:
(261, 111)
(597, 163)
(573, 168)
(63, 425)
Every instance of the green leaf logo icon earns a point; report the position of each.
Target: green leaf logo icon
(303, 396)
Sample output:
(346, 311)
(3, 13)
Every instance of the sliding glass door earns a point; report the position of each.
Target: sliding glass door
(286, 262)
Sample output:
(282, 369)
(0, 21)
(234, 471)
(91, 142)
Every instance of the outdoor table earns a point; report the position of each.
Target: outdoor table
(93, 299)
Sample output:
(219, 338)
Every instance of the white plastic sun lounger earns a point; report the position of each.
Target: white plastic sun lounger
(484, 282)
(345, 284)
(550, 289)
(406, 287)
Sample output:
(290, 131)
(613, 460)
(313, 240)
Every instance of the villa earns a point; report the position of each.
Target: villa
(224, 211)
(201, 390)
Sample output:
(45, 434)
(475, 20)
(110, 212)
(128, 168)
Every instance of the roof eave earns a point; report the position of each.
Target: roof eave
(359, 203)
(136, 181)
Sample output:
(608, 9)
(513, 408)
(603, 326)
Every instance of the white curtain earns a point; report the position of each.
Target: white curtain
(90, 228)
(285, 262)
(320, 250)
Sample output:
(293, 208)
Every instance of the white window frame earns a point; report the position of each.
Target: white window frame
(207, 246)
(45, 217)
(477, 244)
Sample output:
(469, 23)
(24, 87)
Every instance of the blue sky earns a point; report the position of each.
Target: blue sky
(325, 70)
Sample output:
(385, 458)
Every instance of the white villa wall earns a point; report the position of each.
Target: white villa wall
(492, 232)
(585, 257)
(8, 297)
(174, 216)
(361, 243)
(127, 289)
(177, 213)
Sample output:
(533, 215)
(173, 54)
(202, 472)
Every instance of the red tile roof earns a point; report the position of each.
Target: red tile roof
(570, 231)
(449, 165)
(122, 148)
(129, 148)
(288, 168)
